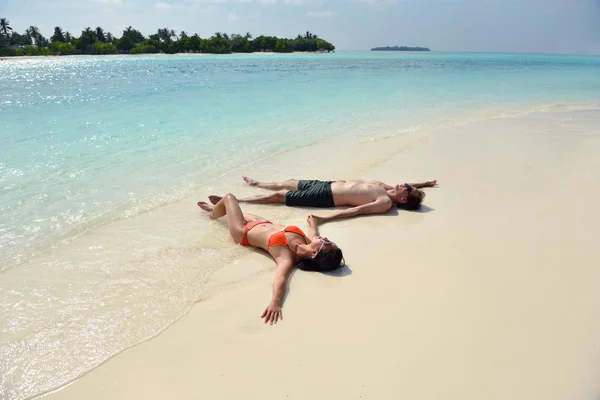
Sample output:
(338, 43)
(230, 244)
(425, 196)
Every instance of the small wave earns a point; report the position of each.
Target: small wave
(482, 115)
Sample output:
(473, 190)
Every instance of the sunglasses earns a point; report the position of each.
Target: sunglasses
(324, 241)
(409, 188)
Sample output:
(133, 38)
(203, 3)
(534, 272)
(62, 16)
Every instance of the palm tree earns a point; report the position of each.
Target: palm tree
(33, 32)
(135, 35)
(163, 34)
(172, 33)
(5, 27)
(58, 35)
(183, 35)
(86, 40)
(100, 34)
(43, 42)
(248, 36)
(109, 37)
(68, 37)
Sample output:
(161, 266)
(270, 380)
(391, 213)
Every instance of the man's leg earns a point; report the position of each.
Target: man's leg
(277, 197)
(290, 184)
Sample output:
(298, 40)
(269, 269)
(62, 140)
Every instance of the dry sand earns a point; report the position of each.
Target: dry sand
(490, 293)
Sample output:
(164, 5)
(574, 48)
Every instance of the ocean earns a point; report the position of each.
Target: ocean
(97, 152)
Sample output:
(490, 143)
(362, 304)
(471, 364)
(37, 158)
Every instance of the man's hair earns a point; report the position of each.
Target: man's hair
(324, 261)
(413, 203)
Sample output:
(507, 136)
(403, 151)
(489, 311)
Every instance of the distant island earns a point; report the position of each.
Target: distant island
(399, 48)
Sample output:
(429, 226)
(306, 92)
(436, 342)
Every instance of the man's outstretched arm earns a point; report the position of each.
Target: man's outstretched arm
(424, 184)
(418, 185)
(314, 227)
(378, 206)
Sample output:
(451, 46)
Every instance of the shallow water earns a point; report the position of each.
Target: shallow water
(90, 145)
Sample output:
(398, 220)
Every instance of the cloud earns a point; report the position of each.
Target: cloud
(377, 2)
(106, 1)
(268, 1)
(294, 2)
(166, 6)
(320, 14)
(198, 2)
(232, 17)
(200, 6)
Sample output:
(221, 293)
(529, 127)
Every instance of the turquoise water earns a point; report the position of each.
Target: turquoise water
(86, 141)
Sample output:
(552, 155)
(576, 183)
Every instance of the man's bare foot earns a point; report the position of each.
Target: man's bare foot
(249, 181)
(205, 206)
(215, 199)
(316, 219)
(431, 183)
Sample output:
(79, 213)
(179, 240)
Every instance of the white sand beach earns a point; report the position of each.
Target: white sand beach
(491, 292)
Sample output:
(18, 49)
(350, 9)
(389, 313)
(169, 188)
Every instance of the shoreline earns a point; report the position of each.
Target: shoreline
(159, 54)
(444, 121)
(195, 346)
(410, 133)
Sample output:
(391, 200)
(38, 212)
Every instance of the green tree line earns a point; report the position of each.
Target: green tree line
(132, 41)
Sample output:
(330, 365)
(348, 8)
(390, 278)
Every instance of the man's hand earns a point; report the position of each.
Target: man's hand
(272, 313)
(314, 220)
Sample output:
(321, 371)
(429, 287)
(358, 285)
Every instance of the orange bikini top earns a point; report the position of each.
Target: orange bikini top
(279, 239)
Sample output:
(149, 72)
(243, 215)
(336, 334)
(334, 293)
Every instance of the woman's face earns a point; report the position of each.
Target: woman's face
(320, 243)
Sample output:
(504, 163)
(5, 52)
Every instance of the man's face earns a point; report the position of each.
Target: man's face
(400, 193)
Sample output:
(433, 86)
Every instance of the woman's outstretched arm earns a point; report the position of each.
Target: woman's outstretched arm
(273, 311)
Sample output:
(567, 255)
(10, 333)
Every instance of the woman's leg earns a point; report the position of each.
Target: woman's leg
(253, 217)
(228, 206)
(277, 197)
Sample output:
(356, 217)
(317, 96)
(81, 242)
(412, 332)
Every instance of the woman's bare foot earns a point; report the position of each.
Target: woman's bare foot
(205, 206)
(249, 181)
(215, 199)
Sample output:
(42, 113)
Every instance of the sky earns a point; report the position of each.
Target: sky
(535, 26)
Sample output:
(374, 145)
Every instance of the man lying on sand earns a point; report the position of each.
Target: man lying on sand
(364, 197)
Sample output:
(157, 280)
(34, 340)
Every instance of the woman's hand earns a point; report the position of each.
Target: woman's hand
(272, 313)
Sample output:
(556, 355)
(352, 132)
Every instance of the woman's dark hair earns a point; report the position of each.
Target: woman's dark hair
(325, 261)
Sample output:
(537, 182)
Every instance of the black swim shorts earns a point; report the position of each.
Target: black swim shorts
(311, 193)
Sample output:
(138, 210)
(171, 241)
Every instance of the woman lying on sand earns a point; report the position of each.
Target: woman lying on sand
(288, 245)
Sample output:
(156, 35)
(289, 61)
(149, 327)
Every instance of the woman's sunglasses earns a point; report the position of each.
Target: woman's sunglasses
(324, 241)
